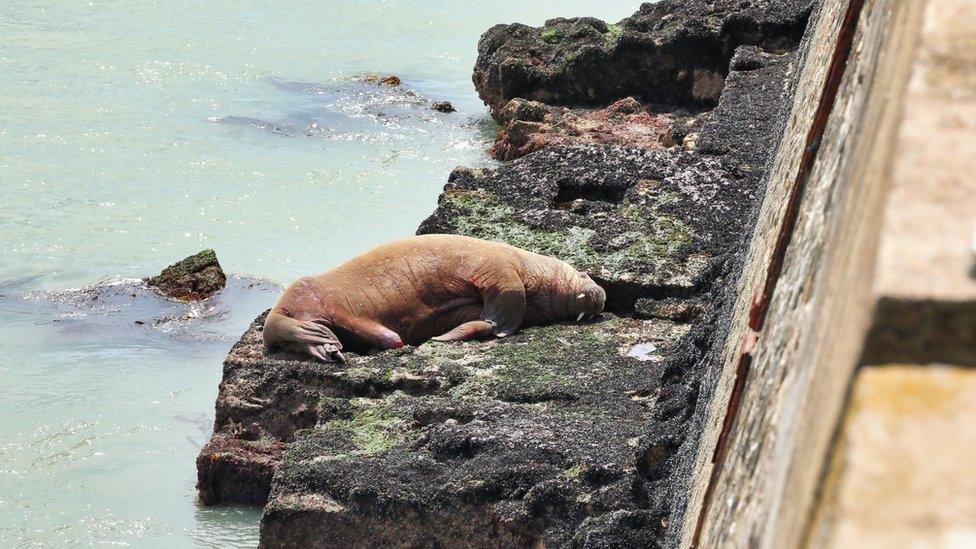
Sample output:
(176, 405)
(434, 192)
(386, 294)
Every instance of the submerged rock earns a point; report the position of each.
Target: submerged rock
(380, 80)
(194, 278)
(349, 110)
(443, 106)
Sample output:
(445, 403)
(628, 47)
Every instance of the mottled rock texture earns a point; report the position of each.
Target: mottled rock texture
(443, 106)
(196, 277)
(672, 52)
(642, 223)
(567, 435)
(530, 126)
(642, 82)
(488, 444)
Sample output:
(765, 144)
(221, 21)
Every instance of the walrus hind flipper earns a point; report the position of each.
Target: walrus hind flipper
(476, 329)
(374, 334)
(303, 336)
(326, 353)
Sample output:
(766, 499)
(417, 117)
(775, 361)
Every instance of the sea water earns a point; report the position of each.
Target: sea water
(136, 132)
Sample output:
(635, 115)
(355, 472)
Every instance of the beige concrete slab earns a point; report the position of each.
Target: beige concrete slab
(927, 242)
(903, 471)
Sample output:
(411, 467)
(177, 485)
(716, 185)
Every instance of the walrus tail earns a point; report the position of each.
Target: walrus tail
(303, 336)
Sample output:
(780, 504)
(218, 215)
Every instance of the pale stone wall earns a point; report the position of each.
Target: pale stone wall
(926, 250)
(926, 274)
(782, 413)
(900, 473)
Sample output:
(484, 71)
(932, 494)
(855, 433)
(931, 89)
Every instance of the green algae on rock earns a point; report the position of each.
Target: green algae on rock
(551, 36)
(642, 223)
(372, 428)
(647, 247)
(196, 277)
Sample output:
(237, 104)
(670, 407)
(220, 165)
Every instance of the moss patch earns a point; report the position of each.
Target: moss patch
(374, 426)
(546, 363)
(646, 245)
(552, 36)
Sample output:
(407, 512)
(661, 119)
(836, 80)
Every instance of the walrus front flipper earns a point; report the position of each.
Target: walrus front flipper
(504, 298)
(476, 329)
(303, 336)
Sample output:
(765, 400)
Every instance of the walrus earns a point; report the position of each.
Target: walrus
(431, 287)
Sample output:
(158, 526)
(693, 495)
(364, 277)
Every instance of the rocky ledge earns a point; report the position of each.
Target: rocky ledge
(665, 66)
(567, 435)
(670, 52)
(440, 442)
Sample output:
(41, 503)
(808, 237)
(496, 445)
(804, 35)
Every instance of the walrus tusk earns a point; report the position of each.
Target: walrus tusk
(581, 296)
(580, 317)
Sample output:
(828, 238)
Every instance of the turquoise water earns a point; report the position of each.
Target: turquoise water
(133, 133)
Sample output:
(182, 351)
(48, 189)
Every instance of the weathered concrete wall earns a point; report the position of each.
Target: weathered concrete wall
(899, 473)
(777, 405)
(926, 248)
(926, 278)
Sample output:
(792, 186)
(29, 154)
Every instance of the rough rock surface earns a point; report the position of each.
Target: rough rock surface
(443, 106)
(380, 80)
(568, 435)
(674, 52)
(196, 277)
(518, 439)
(643, 223)
(529, 126)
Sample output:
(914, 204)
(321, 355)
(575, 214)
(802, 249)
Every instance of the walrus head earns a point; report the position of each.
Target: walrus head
(589, 298)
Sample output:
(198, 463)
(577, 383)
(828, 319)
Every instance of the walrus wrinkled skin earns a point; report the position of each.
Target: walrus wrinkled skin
(440, 287)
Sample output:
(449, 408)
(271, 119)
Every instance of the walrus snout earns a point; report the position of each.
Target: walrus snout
(591, 299)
